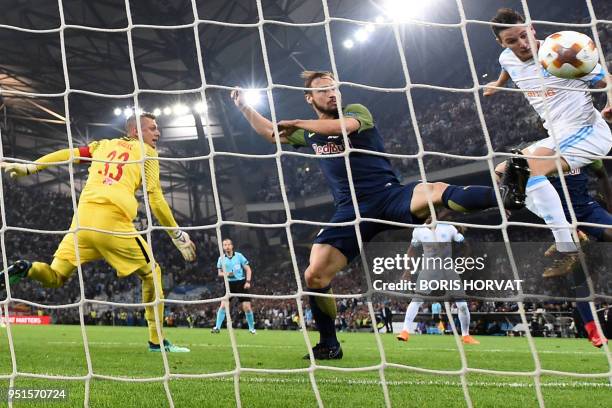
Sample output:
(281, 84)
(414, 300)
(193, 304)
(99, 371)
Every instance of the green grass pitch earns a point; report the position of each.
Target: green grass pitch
(122, 351)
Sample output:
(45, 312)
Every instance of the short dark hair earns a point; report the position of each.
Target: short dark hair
(310, 76)
(506, 16)
(227, 239)
(131, 121)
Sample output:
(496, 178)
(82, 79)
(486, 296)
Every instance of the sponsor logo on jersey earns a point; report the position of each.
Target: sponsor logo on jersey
(540, 94)
(328, 148)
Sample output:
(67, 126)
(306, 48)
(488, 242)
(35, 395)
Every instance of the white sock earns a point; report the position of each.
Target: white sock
(464, 318)
(548, 207)
(411, 312)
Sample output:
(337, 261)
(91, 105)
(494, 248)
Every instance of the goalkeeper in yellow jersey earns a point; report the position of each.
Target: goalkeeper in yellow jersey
(108, 203)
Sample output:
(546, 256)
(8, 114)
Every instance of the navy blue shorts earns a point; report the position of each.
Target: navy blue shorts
(596, 214)
(391, 204)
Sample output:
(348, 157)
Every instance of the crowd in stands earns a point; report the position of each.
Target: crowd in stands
(448, 123)
(273, 275)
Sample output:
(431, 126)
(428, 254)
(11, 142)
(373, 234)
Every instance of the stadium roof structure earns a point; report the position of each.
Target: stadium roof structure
(99, 62)
(165, 60)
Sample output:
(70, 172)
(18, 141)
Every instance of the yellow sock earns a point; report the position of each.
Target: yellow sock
(53, 276)
(148, 295)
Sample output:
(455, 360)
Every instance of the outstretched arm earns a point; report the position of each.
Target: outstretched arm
(326, 127)
(504, 77)
(163, 214)
(15, 170)
(261, 125)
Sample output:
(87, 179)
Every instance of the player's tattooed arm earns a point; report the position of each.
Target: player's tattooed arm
(326, 127)
(261, 125)
(504, 77)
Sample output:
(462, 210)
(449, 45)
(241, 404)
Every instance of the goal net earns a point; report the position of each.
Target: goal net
(326, 24)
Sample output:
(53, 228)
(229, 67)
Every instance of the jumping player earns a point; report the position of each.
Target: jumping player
(578, 127)
(378, 190)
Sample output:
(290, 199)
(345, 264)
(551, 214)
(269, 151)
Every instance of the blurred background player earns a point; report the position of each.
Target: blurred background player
(377, 187)
(436, 243)
(578, 127)
(108, 202)
(239, 274)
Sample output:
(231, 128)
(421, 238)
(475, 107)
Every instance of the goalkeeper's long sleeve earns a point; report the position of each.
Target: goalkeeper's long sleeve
(57, 156)
(159, 206)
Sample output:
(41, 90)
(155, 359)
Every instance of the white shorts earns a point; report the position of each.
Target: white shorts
(579, 144)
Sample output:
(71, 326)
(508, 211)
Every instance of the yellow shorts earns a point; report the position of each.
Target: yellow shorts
(125, 253)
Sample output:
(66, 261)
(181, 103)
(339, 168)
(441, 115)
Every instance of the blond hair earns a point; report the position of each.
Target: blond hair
(131, 121)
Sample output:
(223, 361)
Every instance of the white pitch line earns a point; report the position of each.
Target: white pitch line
(339, 381)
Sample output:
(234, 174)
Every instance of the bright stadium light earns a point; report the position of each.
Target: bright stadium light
(127, 112)
(117, 111)
(157, 111)
(167, 110)
(180, 109)
(200, 107)
(252, 97)
(370, 28)
(348, 44)
(380, 19)
(361, 35)
(402, 10)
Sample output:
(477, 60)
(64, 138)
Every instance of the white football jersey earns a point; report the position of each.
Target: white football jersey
(436, 243)
(566, 108)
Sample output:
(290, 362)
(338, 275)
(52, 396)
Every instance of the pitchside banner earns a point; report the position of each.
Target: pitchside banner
(29, 319)
(488, 270)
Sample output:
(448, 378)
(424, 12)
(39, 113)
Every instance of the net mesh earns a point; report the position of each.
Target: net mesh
(213, 155)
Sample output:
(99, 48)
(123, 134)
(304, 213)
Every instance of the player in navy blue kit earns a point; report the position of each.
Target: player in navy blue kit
(377, 188)
(587, 209)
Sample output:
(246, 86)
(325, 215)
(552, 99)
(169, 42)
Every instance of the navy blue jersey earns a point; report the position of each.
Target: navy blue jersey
(370, 173)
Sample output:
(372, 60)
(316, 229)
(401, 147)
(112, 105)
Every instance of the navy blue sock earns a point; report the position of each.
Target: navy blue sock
(324, 314)
(469, 198)
(582, 290)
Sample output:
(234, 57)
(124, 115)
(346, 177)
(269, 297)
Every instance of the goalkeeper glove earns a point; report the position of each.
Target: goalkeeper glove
(14, 170)
(181, 240)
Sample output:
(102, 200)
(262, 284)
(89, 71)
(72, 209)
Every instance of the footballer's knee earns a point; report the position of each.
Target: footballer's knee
(438, 189)
(434, 189)
(58, 282)
(325, 262)
(246, 306)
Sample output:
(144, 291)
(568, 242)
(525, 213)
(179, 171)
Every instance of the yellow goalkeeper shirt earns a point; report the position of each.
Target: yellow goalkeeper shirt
(112, 180)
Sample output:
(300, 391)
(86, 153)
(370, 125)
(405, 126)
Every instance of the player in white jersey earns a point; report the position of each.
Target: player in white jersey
(579, 129)
(437, 244)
